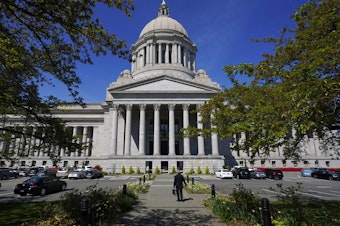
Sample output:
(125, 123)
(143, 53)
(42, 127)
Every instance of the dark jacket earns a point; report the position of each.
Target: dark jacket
(179, 180)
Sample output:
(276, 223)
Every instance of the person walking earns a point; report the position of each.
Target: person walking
(178, 184)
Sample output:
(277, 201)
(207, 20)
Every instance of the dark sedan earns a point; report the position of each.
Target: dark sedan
(241, 173)
(326, 174)
(40, 186)
(93, 173)
(274, 174)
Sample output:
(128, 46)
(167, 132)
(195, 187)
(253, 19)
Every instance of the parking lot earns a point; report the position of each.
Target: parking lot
(311, 188)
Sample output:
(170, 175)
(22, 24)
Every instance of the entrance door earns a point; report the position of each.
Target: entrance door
(165, 147)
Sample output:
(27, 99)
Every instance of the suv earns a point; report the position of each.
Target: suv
(241, 173)
(274, 174)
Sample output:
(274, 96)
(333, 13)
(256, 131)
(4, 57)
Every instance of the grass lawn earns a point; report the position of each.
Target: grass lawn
(20, 213)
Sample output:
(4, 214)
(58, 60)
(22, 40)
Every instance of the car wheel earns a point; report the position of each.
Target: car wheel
(43, 191)
(23, 194)
(315, 176)
(63, 187)
(330, 178)
(238, 176)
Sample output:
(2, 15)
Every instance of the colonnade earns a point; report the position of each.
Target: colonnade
(163, 53)
(157, 131)
(29, 144)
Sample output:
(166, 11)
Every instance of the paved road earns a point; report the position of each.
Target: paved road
(114, 183)
(311, 188)
(315, 189)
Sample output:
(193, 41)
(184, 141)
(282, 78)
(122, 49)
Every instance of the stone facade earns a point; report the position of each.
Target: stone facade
(139, 123)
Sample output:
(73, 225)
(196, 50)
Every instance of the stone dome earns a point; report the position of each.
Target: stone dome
(163, 23)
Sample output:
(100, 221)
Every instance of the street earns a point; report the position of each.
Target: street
(311, 188)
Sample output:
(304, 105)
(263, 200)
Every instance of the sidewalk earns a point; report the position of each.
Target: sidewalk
(160, 207)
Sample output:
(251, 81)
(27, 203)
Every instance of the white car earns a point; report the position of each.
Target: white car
(63, 172)
(76, 174)
(224, 173)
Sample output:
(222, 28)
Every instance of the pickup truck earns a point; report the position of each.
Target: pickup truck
(224, 173)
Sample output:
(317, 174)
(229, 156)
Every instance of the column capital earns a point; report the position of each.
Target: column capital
(171, 107)
(142, 107)
(115, 107)
(156, 107)
(129, 106)
(185, 107)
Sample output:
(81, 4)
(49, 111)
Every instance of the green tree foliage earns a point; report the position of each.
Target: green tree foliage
(291, 93)
(41, 42)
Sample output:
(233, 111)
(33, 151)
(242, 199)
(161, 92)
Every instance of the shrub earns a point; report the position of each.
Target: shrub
(191, 171)
(173, 170)
(157, 170)
(199, 170)
(138, 170)
(240, 206)
(131, 170)
(198, 188)
(123, 170)
(206, 170)
(105, 206)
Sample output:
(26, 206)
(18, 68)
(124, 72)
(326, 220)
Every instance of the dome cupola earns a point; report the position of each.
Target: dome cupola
(163, 47)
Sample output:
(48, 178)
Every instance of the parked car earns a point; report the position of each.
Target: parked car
(4, 174)
(76, 174)
(224, 173)
(241, 173)
(274, 174)
(93, 173)
(40, 186)
(13, 173)
(307, 172)
(257, 174)
(63, 172)
(23, 172)
(326, 174)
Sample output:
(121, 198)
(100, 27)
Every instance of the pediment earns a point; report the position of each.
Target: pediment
(164, 84)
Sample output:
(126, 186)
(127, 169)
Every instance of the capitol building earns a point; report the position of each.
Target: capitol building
(139, 123)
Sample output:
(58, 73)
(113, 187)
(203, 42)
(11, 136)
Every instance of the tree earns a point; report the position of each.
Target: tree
(291, 94)
(41, 40)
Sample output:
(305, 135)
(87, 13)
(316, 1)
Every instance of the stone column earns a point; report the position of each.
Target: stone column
(159, 53)
(84, 144)
(174, 53)
(74, 134)
(179, 52)
(142, 129)
(114, 129)
(186, 140)
(156, 130)
(172, 129)
(185, 58)
(214, 138)
(127, 144)
(147, 54)
(166, 53)
(200, 138)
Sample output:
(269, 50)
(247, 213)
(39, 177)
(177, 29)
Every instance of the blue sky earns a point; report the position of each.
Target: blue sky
(221, 29)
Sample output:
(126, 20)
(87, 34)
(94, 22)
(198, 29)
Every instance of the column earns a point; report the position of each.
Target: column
(127, 144)
(200, 138)
(147, 54)
(142, 129)
(156, 130)
(185, 57)
(214, 138)
(179, 54)
(159, 53)
(84, 144)
(186, 140)
(166, 53)
(114, 129)
(172, 129)
(174, 53)
(75, 140)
